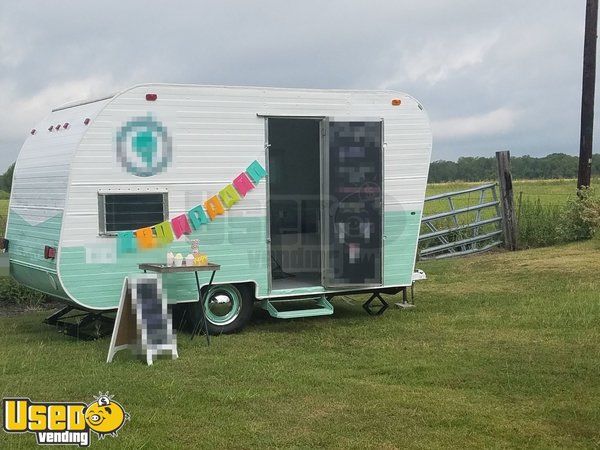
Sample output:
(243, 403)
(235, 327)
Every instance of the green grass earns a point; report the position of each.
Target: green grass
(547, 192)
(503, 350)
(3, 215)
(554, 192)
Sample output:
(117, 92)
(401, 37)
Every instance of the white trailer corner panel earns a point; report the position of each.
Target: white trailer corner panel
(39, 194)
(202, 138)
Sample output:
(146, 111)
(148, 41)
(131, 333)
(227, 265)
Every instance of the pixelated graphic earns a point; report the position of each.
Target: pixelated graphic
(101, 253)
(144, 147)
(153, 320)
(355, 188)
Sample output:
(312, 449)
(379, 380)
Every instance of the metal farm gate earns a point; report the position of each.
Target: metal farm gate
(461, 222)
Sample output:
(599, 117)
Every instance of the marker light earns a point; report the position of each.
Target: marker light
(57, 127)
(49, 252)
(51, 127)
(66, 125)
(396, 102)
(86, 121)
(151, 97)
(33, 131)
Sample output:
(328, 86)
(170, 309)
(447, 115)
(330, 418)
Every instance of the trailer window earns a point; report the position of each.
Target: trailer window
(122, 212)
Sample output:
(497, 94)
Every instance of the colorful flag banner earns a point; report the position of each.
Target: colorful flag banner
(167, 231)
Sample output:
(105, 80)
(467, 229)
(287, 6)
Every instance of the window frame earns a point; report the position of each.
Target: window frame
(102, 208)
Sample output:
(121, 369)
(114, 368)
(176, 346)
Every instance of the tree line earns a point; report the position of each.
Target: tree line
(6, 179)
(478, 168)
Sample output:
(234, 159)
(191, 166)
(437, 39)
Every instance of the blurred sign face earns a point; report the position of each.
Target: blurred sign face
(151, 315)
(143, 324)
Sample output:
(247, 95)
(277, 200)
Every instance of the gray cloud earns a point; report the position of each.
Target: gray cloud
(492, 76)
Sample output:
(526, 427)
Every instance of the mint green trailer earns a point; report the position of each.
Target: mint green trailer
(338, 211)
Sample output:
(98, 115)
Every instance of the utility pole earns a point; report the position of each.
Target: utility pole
(587, 94)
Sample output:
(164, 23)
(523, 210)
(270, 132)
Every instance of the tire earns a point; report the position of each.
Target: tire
(228, 308)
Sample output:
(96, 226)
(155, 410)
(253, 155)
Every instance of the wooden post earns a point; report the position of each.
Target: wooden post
(587, 94)
(509, 222)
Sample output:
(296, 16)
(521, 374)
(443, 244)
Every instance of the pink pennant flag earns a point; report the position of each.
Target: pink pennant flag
(242, 184)
(180, 226)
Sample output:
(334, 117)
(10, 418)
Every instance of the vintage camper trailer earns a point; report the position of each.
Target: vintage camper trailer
(103, 185)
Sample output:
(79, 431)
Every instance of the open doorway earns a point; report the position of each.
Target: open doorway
(294, 202)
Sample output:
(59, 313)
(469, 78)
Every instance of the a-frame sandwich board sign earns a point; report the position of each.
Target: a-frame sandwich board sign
(143, 323)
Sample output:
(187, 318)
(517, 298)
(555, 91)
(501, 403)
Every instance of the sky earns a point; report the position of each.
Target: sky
(492, 75)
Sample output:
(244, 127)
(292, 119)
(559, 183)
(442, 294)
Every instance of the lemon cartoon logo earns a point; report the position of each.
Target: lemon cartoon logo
(104, 416)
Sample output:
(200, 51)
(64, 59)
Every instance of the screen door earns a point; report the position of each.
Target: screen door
(352, 202)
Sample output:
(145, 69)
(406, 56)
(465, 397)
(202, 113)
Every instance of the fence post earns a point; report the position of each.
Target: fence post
(509, 222)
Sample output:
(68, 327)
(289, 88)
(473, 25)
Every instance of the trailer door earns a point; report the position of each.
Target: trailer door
(352, 213)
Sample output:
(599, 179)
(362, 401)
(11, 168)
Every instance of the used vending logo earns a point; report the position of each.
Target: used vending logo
(64, 422)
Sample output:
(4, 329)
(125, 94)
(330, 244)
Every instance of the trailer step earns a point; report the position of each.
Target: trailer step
(324, 308)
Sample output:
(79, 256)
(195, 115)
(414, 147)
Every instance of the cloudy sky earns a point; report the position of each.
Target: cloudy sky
(491, 74)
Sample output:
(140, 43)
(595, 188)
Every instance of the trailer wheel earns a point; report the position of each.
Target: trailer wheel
(227, 307)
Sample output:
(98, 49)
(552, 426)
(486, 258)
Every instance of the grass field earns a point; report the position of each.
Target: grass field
(503, 350)
(547, 191)
(3, 215)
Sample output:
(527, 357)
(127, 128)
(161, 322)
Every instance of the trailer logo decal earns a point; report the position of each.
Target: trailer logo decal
(144, 148)
(67, 423)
